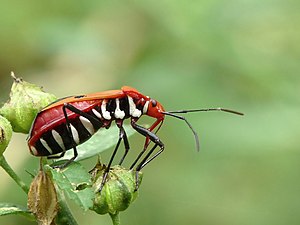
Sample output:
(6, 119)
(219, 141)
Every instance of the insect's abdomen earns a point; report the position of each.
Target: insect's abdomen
(49, 134)
(58, 139)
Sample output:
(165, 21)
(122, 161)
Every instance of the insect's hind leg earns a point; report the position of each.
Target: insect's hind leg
(56, 156)
(69, 131)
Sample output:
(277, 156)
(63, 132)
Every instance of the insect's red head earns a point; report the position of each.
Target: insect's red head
(155, 109)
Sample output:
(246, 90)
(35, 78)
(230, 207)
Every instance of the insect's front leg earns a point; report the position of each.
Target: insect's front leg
(150, 136)
(148, 158)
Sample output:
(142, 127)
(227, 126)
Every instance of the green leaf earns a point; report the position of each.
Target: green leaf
(13, 209)
(75, 181)
(99, 142)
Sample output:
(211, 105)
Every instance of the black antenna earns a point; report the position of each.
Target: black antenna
(173, 114)
(190, 126)
(206, 110)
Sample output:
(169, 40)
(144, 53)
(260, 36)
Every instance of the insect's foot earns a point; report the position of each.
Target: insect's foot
(103, 181)
(61, 164)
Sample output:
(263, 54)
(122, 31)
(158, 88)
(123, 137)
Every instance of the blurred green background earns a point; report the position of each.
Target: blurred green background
(237, 54)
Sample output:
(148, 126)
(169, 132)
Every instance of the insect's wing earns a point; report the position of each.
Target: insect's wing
(87, 97)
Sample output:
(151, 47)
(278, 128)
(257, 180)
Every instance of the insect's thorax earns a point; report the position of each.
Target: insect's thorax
(50, 134)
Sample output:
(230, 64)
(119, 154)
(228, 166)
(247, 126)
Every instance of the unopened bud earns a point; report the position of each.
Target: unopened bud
(5, 134)
(26, 100)
(118, 192)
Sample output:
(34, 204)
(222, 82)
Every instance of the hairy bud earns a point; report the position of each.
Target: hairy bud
(26, 100)
(118, 192)
(5, 134)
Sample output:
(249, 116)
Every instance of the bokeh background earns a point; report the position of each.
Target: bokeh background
(237, 54)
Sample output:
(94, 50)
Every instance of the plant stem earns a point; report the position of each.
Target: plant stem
(115, 218)
(64, 216)
(12, 174)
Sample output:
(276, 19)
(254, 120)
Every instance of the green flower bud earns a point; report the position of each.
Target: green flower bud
(26, 100)
(5, 134)
(118, 192)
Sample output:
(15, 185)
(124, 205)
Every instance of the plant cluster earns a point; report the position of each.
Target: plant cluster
(47, 193)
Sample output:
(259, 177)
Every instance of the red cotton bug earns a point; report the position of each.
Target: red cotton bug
(70, 121)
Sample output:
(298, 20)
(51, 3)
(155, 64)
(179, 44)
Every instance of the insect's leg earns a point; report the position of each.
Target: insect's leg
(147, 141)
(126, 144)
(93, 120)
(147, 160)
(157, 142)
(138, 157)
(121, 136)
(69, 131)
(56, 156)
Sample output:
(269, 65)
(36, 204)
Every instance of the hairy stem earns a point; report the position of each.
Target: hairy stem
(12, 174)
(64, 216)
(115, 218)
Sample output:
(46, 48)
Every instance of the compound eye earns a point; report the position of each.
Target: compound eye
(154, 103)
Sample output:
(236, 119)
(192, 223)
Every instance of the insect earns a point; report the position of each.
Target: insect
(70, 121)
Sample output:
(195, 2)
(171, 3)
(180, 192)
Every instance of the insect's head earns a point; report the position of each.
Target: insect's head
(155, 109)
